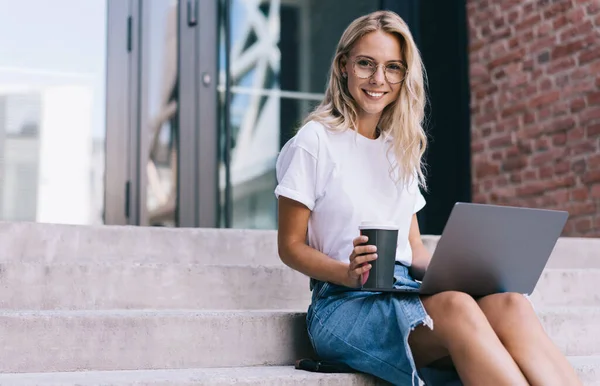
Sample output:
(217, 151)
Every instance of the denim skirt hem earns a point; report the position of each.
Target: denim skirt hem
(368, 331)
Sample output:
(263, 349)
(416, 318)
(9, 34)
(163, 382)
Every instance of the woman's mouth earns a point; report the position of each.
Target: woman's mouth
(374, 95)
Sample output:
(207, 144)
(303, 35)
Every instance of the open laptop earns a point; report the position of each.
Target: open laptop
(486, 249)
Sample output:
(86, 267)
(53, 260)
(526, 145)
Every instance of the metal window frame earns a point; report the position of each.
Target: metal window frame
(198, 122)
(118, 193)
(186, 192)
(135, 96)
(207, 181)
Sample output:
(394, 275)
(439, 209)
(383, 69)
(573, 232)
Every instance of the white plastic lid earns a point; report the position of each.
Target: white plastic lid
(388, 226)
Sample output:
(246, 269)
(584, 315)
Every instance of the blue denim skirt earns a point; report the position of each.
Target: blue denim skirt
(368, 331)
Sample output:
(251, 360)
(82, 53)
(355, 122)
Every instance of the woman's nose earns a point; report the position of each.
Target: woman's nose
(379, 75)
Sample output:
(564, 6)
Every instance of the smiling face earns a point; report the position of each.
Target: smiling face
(374, 93)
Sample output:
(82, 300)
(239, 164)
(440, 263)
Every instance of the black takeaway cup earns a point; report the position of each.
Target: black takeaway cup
(385, 237)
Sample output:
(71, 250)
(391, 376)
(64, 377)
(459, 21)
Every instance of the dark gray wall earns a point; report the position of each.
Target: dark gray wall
(329, 19)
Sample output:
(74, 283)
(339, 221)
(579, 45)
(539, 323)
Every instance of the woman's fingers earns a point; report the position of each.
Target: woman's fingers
(361, 261)
(360, 240)
(362, 250)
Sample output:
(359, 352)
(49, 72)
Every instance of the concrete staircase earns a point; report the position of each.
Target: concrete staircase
(157, 306)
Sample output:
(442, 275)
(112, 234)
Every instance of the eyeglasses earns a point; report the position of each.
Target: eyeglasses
(395, 72)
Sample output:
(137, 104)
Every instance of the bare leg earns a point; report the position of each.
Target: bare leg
(462, 330)
(514, 320)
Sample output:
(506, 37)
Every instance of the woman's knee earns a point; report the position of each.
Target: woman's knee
(506, 302)
(507, 307)
(450, 302)
(456, 308)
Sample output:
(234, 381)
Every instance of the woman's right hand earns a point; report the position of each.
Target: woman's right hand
(359, 261)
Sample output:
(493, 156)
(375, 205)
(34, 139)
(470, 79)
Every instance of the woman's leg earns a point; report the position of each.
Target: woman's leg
(514, 320)
(462, 331)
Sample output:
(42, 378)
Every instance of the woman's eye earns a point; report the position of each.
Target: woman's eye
(365, 63)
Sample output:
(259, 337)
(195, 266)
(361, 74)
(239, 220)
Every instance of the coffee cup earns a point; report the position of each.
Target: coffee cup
(385, 237)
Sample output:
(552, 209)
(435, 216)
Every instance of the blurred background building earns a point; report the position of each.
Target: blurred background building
(172, 112)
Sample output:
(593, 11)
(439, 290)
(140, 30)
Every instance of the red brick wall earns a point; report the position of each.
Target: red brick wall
(535, 106)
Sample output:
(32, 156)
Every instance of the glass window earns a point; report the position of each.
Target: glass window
(52, 110)
(159, 72)
(279, 62)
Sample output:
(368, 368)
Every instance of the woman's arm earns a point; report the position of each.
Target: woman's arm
(293, 251)
(420, 254)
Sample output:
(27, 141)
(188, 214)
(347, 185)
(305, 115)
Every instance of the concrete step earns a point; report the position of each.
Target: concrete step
(247, 376)
(195, 286)
(575, 252)
(569, 252)
(52, 243)
(573, 329)
(588, 369)
(114, 285)
(40, 341)
(568, 287)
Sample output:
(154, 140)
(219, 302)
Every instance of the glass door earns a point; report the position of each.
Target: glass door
(173, 160)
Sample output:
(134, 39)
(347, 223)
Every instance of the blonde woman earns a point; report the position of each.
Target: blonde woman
(359, 157)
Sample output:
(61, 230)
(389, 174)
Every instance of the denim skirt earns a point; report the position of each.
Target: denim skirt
(368, 331)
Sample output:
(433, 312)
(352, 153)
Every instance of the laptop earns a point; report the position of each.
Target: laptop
(486, 249)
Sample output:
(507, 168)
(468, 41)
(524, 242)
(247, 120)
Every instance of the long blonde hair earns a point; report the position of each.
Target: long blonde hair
(402, 119)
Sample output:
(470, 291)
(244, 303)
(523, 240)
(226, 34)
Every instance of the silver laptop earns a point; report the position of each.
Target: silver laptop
(486, 249)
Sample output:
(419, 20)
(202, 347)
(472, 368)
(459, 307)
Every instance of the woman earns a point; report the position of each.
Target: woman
(359, 158)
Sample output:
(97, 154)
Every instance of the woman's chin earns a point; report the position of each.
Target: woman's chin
(372, 110)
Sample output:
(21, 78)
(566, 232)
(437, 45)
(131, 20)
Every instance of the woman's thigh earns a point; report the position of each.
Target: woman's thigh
(452, 313)
(428, 349)
(427, 346)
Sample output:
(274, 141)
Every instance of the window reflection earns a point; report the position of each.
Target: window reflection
(52, 111)
(280, 57)
(162, 98)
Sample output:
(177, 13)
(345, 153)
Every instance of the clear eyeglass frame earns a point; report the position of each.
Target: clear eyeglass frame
(366, 73)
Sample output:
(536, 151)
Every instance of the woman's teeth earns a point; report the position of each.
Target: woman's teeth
(374, 94)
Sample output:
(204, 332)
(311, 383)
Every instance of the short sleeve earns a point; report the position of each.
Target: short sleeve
(419, 199)
(419, 202)
(296, 171)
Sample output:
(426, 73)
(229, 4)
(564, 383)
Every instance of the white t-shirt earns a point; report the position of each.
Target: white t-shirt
(344, 179)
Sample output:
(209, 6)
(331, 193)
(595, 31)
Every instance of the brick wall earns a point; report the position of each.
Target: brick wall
(535, 106)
